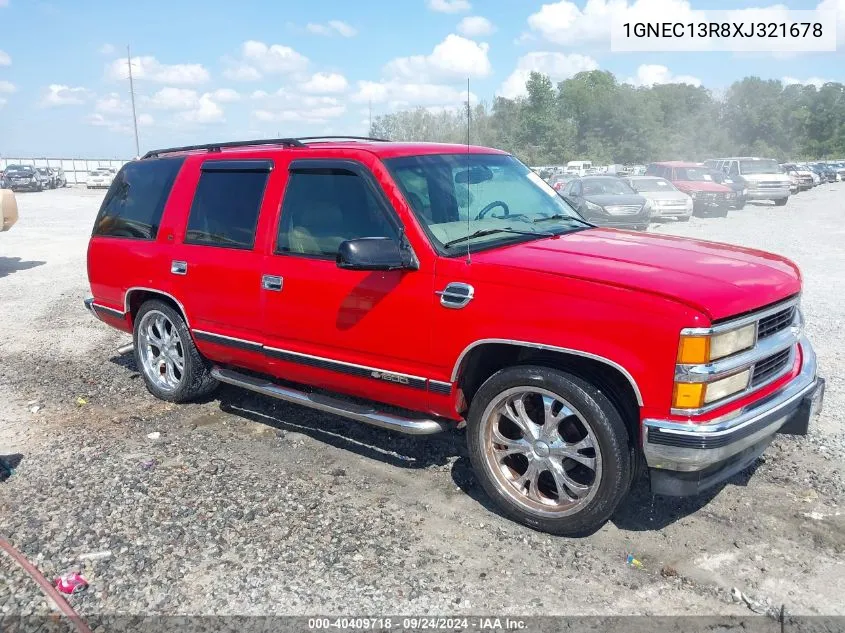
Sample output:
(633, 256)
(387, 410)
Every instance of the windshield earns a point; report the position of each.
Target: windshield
(456, 195)
(759, 167)
(603, 186)
(699, 174)
(21, 168)
(652, 184)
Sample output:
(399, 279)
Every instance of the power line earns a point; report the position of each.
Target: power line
(132, 94)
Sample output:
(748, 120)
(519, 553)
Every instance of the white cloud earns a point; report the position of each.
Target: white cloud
(174, 99)
(149, 68)
(652, 74)
(454, 58)
(205, 111)
(837, 6)
(60, 95)
(259, 94)
(5, 60)
(556, 65)
(818, 82)
(145, 120)
(274, 58)
(475, 26)
(566, 24)
(106, 49)
(7, 87)
(332, 27)
(292, 107)
(238, 71)
(449, 6)
(398, 94)
(325, 83)
(225, 95)
(112, 104)
(3, 102)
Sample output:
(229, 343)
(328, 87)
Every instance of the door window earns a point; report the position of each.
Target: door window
(324, 207)
(226, 205)
(734, 168)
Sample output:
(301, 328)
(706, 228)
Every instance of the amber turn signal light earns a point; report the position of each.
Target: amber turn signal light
(694, 350)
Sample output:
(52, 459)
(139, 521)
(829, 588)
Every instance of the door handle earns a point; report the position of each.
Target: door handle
(271, 282)
(179, 268)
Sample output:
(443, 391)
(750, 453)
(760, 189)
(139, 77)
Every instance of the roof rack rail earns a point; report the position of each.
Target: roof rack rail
(216, 147)
(342, 138)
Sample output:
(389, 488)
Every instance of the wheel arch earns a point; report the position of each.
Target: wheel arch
(137, 295)
(485, 357)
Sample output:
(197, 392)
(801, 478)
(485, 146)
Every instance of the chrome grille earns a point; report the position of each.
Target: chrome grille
(624, 209)
(774, 323)
(770, 367)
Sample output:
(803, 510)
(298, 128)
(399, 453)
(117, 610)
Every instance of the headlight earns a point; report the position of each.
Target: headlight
(592, 206)
(649, 205)
(697, 394)
(697, 349)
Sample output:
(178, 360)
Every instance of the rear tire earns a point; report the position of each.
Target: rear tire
(721, 213)
(781, 202)
(165, 354)
(684, 218)
(559, 462)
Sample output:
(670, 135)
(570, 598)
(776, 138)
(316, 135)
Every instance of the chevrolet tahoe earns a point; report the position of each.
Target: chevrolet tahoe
(425, 287)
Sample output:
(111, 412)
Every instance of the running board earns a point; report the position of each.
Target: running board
(359, 413)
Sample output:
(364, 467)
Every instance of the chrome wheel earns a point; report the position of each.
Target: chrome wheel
(160, 350)
(541, 450)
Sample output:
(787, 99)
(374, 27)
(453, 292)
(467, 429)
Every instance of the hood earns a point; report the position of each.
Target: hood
(719, 280)
(766, 177)
(700, 185)
(609, 199)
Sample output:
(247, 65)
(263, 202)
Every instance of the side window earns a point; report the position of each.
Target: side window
(135, 200)
(734, 168)
(324, 207)
(227, 203)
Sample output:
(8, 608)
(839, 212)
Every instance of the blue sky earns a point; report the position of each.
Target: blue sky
(216, 70)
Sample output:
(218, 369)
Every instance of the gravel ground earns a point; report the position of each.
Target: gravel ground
(245, 505)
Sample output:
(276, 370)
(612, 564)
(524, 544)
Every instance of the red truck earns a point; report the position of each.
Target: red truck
(694, 179)
(448, 286)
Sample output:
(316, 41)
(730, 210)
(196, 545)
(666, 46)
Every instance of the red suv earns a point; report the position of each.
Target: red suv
(448, 286)
(695, 180)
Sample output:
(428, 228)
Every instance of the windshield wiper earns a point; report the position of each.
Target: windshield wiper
(561, 216)
(484, 232)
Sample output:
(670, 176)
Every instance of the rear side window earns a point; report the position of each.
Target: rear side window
(135, 201)
(227, 203)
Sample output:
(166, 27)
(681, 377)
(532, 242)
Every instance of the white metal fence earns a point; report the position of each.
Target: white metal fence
(76, 169)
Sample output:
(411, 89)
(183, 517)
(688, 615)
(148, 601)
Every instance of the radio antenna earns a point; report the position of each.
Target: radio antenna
(469, 180)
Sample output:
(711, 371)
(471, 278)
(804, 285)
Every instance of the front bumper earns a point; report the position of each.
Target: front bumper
(768, 194)
(686, 458)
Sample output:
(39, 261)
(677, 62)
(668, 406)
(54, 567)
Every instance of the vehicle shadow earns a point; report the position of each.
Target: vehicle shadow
(394, 449)
(9, 265)
(642, 511)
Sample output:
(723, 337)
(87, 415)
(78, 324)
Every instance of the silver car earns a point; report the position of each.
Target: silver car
(666, 201)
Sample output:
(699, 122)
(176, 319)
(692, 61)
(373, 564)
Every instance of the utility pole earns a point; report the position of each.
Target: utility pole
(132, 94)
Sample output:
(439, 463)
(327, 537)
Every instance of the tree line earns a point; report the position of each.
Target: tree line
(594, 116)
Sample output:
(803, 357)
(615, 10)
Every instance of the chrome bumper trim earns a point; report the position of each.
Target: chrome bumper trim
(685, 446)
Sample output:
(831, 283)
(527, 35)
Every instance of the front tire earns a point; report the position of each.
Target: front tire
(549, 449)
(172, 367)
(781, 202)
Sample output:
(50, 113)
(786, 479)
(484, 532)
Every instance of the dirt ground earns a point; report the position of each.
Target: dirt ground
(244, 505)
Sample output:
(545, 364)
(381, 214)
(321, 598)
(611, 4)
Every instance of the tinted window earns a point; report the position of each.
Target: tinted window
(225, 208)
(324, 207)
(135, 201)
(602, 186)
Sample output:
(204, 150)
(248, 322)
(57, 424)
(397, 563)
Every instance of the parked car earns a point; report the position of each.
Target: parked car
(100, 178)
(8, 209)
(572, 353)
(608, 201)
(665, 200)
(763, 177)
(24, 178)
(559, 182)
(61, 179)
(49, 177)
(794, 181)
(826, 174)
(805, 176)
(817, 180)
(708, 196)
(736, 184)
